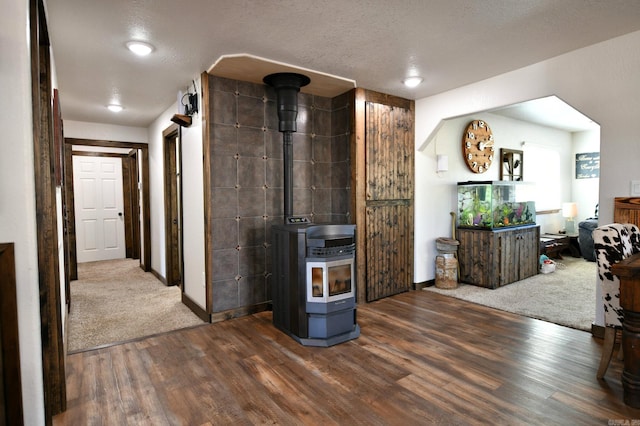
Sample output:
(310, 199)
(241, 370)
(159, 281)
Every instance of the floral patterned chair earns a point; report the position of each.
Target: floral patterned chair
(612, 243)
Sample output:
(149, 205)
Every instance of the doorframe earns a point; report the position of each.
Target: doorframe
(172, 204)
(145, 259)
(53, 350)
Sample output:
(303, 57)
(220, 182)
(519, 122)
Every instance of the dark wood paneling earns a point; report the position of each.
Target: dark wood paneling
(11, 411)
(495, 258)
(422, 358)
(382, 145)
(626, 210)
(388, 228)
(53, 355)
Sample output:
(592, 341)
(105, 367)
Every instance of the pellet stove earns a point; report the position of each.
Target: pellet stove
(314, 286)
(314, 282)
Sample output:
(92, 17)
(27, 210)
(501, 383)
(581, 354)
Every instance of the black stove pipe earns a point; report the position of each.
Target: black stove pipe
(287, 86)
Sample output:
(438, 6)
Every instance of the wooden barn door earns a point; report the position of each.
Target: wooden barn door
(384, 194)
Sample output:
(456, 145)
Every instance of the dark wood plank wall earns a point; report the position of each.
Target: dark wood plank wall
(626, 210)
(11, 411)
(387, 193)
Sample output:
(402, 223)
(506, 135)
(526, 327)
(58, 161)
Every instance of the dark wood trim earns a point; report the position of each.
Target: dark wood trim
(53, 355)
(69, 218)
(424, 284)
(156, 274)
(11, 411)
(128, 218)
(172, 205)
(597, 331)
(103, 143)
(207, 111)
(99, 154)
(134, 190)
(195, 308)
(146, 214)
(240, 312)
(358, 202)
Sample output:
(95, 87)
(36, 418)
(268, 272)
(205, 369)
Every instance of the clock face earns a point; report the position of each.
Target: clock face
(477, 146)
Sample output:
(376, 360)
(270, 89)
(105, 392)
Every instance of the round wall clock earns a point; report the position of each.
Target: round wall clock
(477, 146)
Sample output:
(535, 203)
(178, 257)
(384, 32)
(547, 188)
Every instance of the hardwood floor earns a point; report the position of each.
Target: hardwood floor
(422, 358)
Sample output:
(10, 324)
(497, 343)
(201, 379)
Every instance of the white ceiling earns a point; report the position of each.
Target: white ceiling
(374, 43)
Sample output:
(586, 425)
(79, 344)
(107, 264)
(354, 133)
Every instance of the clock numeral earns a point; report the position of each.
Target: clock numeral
(470, 135)
(474, 164)
(469, 156)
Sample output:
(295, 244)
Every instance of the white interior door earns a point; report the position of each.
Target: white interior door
(97, 185)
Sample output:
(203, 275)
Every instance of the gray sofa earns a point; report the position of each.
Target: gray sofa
(585, 228)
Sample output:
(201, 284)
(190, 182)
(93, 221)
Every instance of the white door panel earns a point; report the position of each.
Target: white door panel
(98, 208)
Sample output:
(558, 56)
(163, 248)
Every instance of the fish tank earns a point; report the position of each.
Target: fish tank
(495, 204)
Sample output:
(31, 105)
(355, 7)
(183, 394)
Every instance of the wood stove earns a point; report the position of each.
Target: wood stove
(314, 282)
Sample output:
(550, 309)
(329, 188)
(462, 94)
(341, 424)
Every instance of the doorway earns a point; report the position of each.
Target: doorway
(135, 160)
(173, 205)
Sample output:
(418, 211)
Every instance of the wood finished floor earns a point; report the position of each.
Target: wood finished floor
(422, 358)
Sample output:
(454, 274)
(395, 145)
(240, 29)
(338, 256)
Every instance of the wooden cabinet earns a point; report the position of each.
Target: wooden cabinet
(493, 258)
(382, 176)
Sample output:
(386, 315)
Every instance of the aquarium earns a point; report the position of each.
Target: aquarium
(495, 204)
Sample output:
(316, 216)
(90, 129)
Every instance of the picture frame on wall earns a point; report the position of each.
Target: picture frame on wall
(511, 164)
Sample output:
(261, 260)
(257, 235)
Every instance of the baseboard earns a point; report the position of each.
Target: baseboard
(195, 308)
(423, 284)
(158, 276)
(597, 331)
(240, 312)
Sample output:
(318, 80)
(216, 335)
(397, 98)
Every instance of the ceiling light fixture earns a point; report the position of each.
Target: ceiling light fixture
(412, 81)
(115, 108)
(140, 48)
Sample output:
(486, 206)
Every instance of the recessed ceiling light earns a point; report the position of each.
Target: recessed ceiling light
(412, 81)
(140, 48)
(115, 108)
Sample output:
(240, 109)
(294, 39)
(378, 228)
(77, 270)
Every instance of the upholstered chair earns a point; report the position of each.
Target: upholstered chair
(612, 243)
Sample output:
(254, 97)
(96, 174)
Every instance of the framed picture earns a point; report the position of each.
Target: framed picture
(511, 167)
(588, 165)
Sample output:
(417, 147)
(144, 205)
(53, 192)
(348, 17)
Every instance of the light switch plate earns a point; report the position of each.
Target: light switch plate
(635, 188)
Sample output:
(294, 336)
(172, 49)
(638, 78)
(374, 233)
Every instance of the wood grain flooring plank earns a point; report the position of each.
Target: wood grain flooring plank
(422, 358)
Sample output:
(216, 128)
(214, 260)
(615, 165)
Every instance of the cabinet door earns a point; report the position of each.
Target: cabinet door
(509, 256)
(477, 257)
(528, 249)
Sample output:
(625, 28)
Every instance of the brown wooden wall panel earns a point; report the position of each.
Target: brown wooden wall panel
(389, 165)
(626, 210)
(382, 154)
(389, 226)
(11, 406)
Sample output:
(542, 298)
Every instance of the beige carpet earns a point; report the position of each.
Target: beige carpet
(566, 296)
(115, 301)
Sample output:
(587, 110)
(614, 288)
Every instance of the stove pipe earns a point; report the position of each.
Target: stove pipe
(287, 86)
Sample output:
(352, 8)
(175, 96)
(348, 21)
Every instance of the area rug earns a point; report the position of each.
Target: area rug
(114, 301)
(565, 297)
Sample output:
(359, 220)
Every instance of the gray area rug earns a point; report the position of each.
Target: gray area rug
(566, 296)
(115, 301)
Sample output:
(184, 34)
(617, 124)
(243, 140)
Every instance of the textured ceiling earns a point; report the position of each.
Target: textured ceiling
(375, 43)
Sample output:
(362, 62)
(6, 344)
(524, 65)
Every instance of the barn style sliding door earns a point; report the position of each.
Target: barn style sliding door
(383, 147)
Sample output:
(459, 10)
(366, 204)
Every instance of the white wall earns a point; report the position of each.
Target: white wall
(583, 190)
(104, 132)
(17, 202)
(606, 90)
(192, 201)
